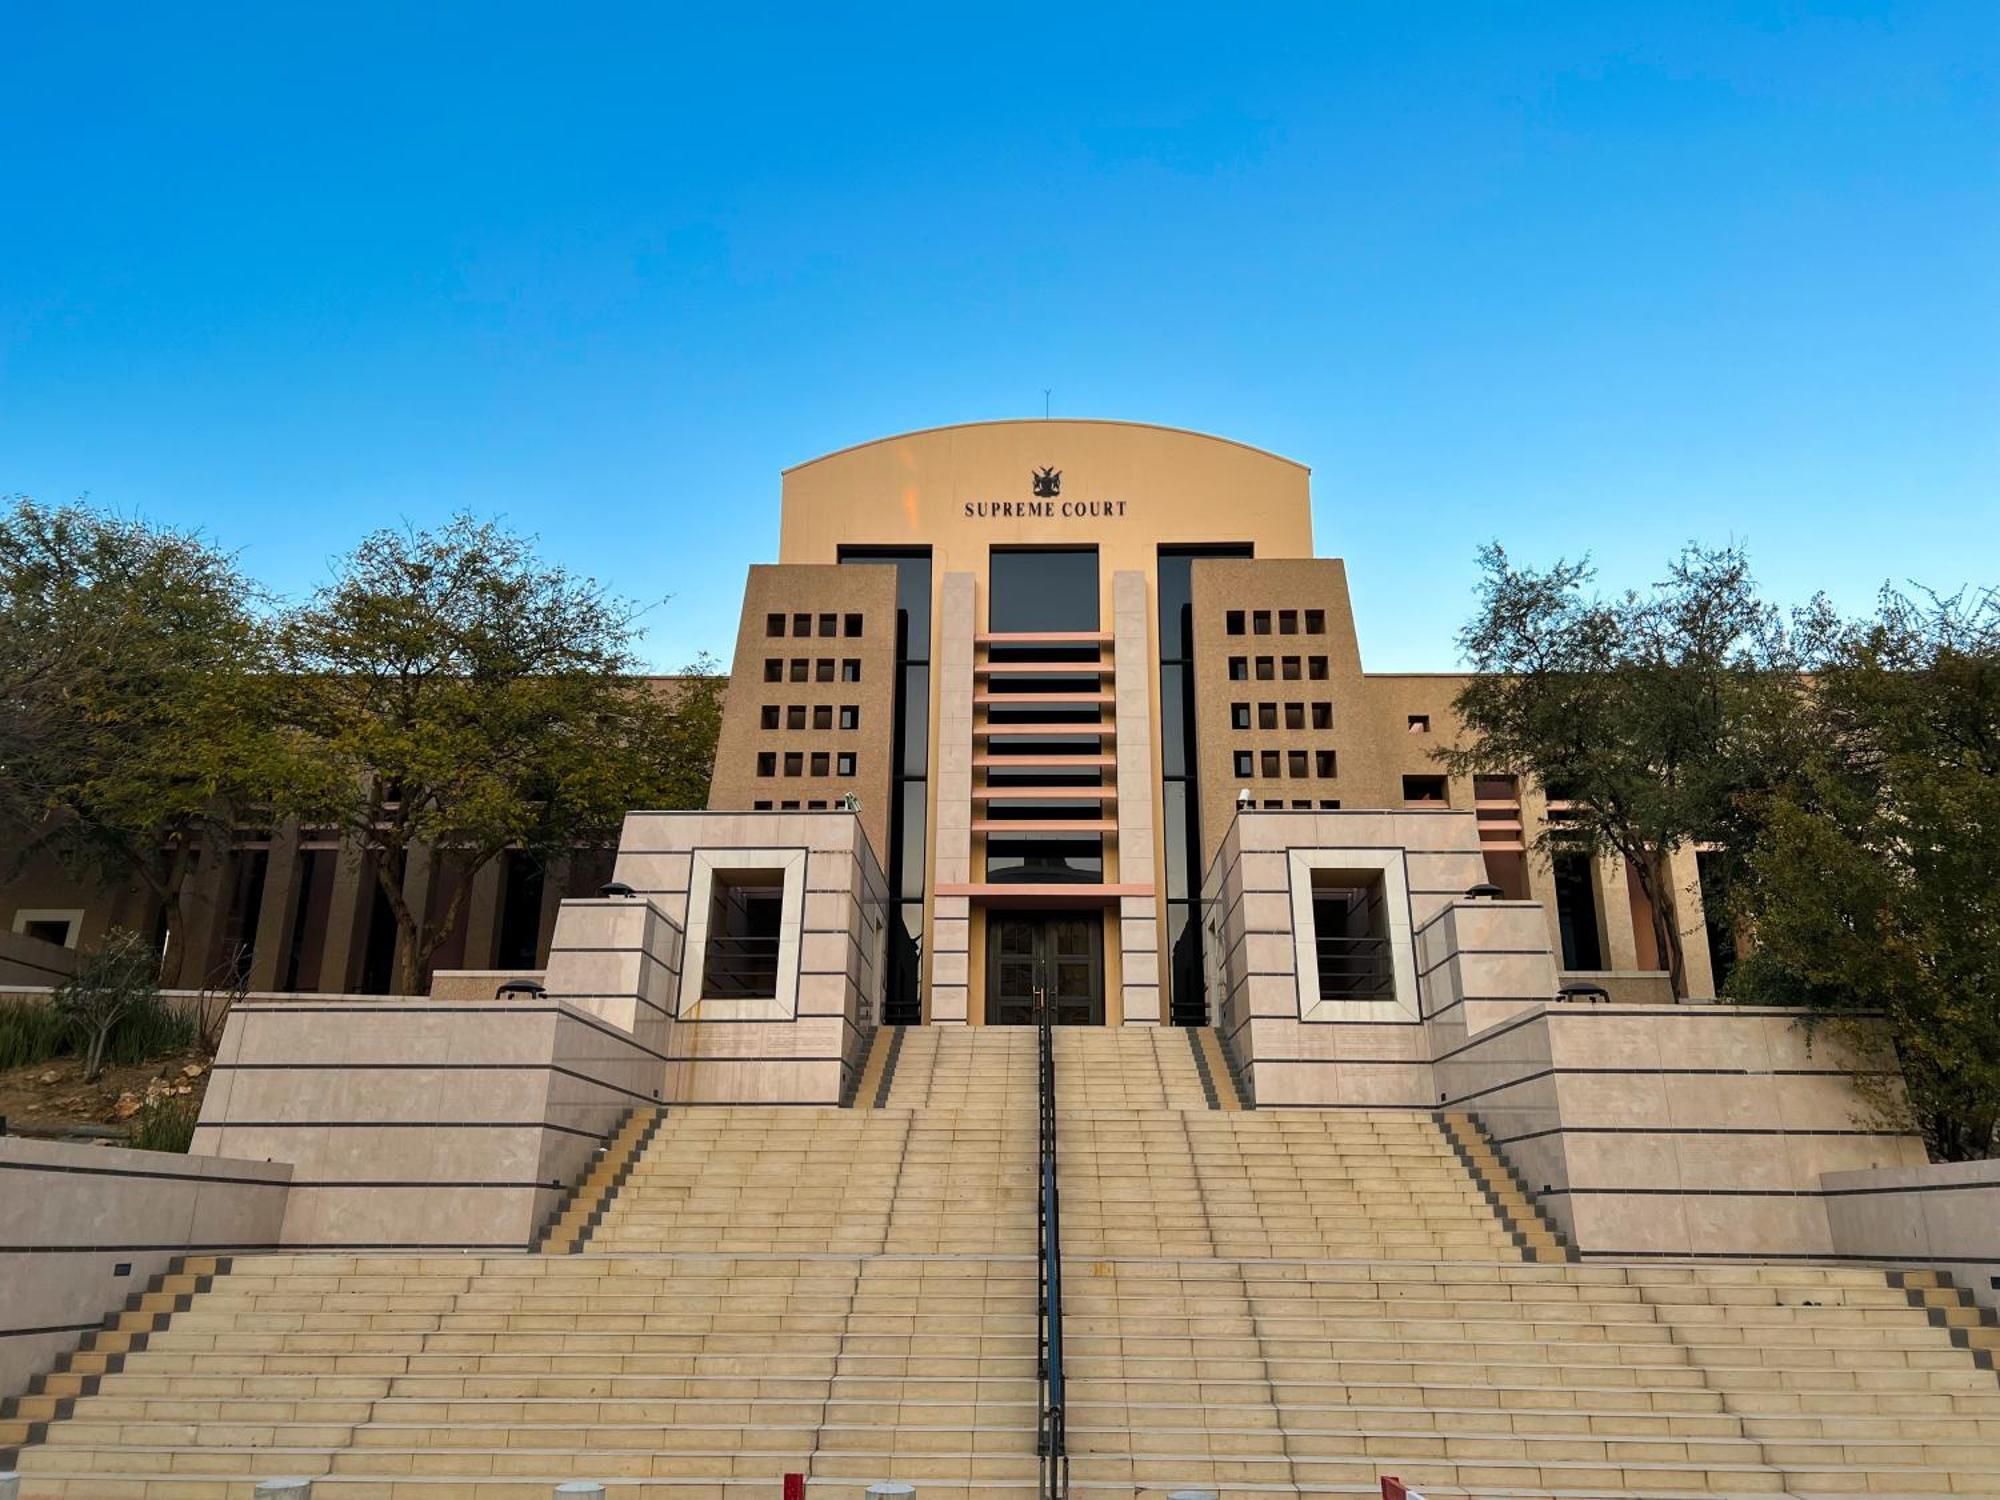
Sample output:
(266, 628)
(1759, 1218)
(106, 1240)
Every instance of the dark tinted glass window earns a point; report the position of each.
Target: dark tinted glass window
(1054, 860)
(1173, 722)
(1044, 589)
(915, 749)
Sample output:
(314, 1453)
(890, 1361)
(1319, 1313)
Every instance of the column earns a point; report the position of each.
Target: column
(197, 922)
(1692, 913)
(482, 913)
(347, 921)
(1138, 916)
(278, 912)
(555, 881)
(1614, 911)
(951, 658)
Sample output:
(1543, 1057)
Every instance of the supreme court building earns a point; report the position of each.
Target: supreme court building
(1051, 661)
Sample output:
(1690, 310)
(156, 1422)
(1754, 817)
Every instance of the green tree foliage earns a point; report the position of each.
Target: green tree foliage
(1874, 881)
(131, 663)
(451, 694)
(1650, 713)
(116, 981)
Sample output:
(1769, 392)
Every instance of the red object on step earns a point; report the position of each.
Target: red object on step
(795, 1487)
(1394, 1489)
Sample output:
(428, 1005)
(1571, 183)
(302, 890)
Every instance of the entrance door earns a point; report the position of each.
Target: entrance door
(1029, 952)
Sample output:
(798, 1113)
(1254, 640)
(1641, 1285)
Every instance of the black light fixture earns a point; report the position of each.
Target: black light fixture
(1484, 891)
(520, 989)
(615, 888)
(1586, 994)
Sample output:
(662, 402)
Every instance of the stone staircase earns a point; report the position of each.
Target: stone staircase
(1269, 1303)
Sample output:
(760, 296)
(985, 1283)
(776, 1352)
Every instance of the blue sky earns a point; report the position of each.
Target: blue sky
(1576, 276)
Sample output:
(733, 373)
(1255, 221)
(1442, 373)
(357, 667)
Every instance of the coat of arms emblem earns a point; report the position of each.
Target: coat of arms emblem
(1048, 482)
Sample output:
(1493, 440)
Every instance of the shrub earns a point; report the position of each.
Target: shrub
(151, 1028)
(30, 1032)
(166, 1125)
(107, 987)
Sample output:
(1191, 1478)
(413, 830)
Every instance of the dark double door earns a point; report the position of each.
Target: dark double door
(1032, 955)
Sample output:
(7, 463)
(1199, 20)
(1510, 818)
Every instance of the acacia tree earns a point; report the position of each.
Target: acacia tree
(452, 691)
(131, 668)
(106, 988)
(1650, 713)
(1873, 885)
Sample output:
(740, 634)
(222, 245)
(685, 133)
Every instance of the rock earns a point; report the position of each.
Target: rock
(127, 1106)
(193, 1070)
(51, 1076)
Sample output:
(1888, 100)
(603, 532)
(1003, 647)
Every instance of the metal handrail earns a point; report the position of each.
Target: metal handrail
(1052, 1440)
(739, 968)
(1352, 968)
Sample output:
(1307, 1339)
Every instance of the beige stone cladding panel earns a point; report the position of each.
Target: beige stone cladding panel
(1481, 962)
(417, 1122)
(950, 1001)
(831, 590)
(949, 959)
(75, 1214)
(1939, 1215)
(1690, 1130)
(620, 959)
(1275, 1028)
(1134, 672)
(836, 929)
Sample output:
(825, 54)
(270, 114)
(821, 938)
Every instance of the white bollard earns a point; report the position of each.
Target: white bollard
(1194, 1495)
(586, 1487)
(889, 1490)
(10, 1486)
(284, 1489)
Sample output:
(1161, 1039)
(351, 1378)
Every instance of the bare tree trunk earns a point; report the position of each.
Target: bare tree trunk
(391, 865)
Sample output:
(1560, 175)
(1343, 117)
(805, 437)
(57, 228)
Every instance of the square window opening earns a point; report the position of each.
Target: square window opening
(1351, 935)
(746, 911)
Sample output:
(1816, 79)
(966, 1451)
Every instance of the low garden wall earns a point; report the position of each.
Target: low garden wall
(1944, 1216)
(1674, 1130)
(83, 1227)
(458, 1124)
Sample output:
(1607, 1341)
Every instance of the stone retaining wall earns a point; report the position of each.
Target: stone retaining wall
(83, 1227)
